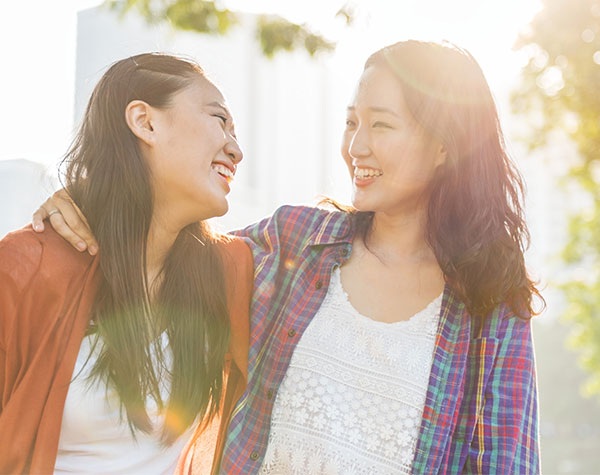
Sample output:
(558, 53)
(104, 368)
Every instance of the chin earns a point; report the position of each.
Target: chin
(222, 209)
(209, 210)
(361, 204)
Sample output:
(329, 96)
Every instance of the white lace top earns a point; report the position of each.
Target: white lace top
(352, 398)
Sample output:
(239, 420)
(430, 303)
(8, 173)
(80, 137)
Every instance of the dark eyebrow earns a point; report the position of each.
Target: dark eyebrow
(383, 110)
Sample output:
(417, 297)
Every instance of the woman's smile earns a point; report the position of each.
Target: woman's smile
(366, 176)
(224, 172)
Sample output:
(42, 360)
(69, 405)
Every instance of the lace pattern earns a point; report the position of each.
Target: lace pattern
(352, 398)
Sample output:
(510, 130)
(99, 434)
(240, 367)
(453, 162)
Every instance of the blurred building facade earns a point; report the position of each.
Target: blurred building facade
(24, 185)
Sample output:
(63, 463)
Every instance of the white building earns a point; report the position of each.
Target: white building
(24, 185)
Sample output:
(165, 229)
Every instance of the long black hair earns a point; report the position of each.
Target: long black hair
(108, 178)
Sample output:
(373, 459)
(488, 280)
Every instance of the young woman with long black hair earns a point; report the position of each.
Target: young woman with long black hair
(108, 363)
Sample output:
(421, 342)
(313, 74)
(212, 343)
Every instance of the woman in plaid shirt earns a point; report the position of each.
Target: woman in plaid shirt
(435, 239)
(436, 216)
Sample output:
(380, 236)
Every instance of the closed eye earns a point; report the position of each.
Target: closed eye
(382, 124)
(222, 117)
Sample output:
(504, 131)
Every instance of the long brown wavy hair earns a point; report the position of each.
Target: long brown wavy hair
(109, 179)
(475, 222)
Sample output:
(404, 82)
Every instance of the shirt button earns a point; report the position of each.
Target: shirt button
(318, 284)
(254, 455)
(270, 394)
(344, 252)
(291, 332)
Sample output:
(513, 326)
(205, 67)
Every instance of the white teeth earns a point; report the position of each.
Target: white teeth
(223, 170)
(363, 173)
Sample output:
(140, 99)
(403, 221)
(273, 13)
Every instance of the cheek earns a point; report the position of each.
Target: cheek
(404, 159)
(344, 149)
(212, 141)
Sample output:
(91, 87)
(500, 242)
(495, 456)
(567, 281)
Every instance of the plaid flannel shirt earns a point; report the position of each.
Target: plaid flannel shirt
(480, 413)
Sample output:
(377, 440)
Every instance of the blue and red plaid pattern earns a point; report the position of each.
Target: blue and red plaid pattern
(480, 413)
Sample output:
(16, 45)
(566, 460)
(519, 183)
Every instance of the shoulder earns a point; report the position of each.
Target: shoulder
(235, 253)
(296, 223)
(25, 253)
(502, 322)
(307, 217)
(239, 279)
(36, 269)
(20, 256)
(238, 266)
(291, 212)
(512, 335)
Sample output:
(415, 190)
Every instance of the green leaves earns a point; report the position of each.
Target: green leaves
(561, 87)
(201, 17)
(583, 311)
(276, 33)
(208, 17)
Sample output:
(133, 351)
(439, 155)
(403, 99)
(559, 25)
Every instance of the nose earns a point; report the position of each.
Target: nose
(233, 151)
(359, 144)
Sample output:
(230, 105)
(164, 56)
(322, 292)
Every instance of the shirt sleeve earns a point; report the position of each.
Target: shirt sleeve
(264, 236)
(506, 435)
(266, 240)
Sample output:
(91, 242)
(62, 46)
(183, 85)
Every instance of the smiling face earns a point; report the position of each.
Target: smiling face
(391, 158)
(195, 152)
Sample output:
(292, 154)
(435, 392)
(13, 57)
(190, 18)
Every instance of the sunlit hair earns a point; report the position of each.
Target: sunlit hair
(475, 222)
(109, 179)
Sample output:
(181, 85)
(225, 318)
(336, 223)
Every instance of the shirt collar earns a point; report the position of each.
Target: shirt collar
(336, 228)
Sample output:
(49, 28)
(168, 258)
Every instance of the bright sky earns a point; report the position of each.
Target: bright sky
(39, 44)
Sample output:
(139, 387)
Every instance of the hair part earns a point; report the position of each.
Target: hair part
(109, 179)
(475, 220)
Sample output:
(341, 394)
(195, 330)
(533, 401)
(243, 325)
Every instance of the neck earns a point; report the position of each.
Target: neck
(397, 237)
(164, 229)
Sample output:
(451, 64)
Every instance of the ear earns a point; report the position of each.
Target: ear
(440, 156)
(138, 115)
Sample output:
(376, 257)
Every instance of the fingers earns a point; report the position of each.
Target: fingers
(60, 225)
(71, 221)
(38, 219)
(68, 221)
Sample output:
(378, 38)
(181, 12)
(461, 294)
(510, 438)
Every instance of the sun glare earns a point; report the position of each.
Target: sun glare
(487, 28)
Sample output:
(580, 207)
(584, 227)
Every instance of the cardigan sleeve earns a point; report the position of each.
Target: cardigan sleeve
(239, 272)
(203, 452)
(20, 256)
(505, 439)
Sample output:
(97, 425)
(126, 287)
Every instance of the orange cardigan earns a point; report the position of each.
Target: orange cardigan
(46, 293)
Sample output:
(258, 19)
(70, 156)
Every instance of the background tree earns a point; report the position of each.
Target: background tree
(273, 32)
(562, 81)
